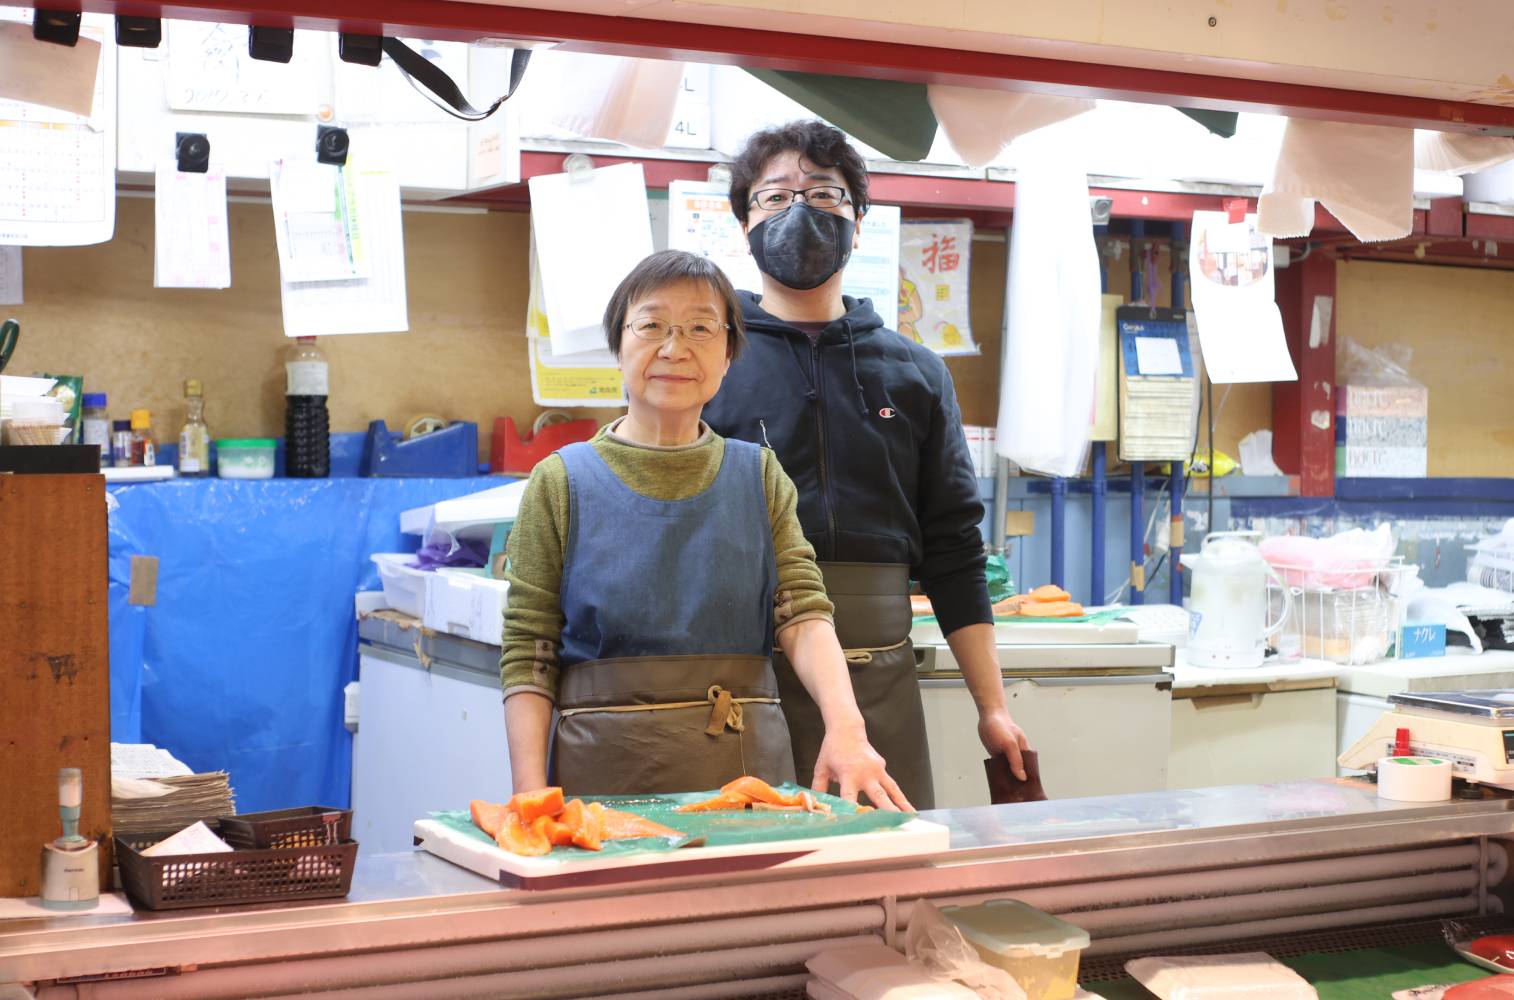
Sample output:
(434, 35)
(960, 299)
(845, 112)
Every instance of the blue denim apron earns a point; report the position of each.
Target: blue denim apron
(667, 680)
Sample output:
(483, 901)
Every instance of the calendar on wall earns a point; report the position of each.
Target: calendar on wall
(57, 169)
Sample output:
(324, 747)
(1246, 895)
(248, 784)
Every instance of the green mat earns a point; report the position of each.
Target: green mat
(716, 829)
(1353, 975)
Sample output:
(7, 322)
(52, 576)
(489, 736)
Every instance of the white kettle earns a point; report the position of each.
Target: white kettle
(1228, 602)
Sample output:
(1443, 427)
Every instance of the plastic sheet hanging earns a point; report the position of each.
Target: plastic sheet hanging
(1052, 318)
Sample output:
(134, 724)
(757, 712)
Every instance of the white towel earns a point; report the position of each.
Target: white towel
(981, 123)
(1362, 174)
(1460, 152)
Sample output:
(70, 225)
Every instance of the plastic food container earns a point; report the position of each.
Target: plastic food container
(245, 458)
(404, 585)
(35, 420)
(1038, 950)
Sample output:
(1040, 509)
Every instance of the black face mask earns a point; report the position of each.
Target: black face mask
(801, 247)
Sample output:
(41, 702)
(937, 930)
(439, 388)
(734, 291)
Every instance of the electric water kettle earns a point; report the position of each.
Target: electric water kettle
(1228, 601)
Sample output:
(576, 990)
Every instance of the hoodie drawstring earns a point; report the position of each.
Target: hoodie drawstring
(812, 393)
(856, 380)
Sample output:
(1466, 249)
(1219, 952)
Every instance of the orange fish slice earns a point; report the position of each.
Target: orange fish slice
(488, 816)
(716, 804)
(1048, 593)
(1052, 609)
(617, 825)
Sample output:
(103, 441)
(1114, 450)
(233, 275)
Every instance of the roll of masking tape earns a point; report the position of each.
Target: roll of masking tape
(1414, 779)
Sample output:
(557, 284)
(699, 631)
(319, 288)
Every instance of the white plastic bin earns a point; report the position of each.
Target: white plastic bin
(404, 585)
(466, 602)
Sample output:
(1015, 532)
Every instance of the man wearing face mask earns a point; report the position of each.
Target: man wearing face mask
(866, 424)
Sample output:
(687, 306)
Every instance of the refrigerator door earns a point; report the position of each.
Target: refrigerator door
(1100, 735)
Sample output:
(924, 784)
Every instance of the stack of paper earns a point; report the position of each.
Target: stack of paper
(151, 791)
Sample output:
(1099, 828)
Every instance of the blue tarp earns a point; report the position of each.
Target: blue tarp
(241, 663)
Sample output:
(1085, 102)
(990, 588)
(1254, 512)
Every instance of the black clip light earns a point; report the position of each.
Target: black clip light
(270, 44)
(138, 32)
(331, 145)
(192, 151)
(363, 50)
(61, 27)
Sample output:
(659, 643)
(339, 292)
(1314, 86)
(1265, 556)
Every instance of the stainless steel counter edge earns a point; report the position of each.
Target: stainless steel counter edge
(413, 900)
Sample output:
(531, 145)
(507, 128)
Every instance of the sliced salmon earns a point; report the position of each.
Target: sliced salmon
(717, 804)
(747, 790)
(919, 604)
(1049, 593)
(488, 816)
(1052, 609)
(617, 825)
(541, 802)
(1010, 605)
(584, 824)
(518, 838)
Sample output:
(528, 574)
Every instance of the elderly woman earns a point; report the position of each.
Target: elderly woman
(651, 570)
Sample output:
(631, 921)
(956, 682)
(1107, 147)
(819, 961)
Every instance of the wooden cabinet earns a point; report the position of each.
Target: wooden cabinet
(54, 666)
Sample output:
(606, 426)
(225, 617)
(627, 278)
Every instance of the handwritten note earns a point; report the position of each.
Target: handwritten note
(192, 248)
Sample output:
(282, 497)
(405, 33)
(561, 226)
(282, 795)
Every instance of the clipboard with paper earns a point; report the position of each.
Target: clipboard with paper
(1157, 383)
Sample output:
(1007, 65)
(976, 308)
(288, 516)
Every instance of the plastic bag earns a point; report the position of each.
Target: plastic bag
(1386, 365)
(1340, 562)
(1000, 584)
(1249, 976)
(936, 943)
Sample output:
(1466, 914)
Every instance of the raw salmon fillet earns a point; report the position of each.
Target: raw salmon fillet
(1492, 988)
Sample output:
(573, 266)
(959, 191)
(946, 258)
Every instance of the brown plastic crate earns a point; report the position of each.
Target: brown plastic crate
(302, 827)
(234, 877)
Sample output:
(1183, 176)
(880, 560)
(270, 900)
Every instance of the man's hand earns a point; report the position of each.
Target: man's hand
(848, 759)
(1000, 734)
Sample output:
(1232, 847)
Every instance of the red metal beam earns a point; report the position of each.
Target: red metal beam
(846, 56)
(1303, 412)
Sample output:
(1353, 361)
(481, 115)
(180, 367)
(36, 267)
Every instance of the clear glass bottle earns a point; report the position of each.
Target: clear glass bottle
(144, 450)
(120, 442)
(194, 438)
(96, 424)
(307, 423)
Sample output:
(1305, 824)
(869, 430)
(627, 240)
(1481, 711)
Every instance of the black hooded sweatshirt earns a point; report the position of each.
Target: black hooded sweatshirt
(865, 422)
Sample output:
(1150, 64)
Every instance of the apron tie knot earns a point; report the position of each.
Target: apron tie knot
(724, 711)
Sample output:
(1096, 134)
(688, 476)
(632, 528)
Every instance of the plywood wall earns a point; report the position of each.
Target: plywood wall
(1459, 322)
(93, 311)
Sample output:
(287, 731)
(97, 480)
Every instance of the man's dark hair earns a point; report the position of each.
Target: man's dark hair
(668, 267)
(821, 144)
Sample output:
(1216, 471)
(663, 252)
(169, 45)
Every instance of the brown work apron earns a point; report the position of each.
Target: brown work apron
(668, 724)
(872, 621)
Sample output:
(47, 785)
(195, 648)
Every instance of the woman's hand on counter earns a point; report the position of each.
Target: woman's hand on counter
(1000, 734)
(847, 759)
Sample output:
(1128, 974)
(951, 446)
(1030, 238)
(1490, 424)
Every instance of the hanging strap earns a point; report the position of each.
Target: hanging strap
(864, 654)
(438, 88)
(725, 709)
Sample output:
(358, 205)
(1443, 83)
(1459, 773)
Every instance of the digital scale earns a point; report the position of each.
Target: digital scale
(1474, 730)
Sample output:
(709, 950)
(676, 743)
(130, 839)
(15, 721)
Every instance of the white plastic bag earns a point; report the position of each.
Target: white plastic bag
(936, 943)
(1249, 976)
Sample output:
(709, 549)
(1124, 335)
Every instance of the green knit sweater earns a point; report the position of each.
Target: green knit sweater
(538, 544)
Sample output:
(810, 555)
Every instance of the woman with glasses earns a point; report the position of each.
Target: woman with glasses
(866, 423)
(651, 570)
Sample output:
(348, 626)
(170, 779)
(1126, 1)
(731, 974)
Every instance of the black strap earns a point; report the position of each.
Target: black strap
(437, 87)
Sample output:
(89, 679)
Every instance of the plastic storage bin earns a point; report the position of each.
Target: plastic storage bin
(306, 826)
(404, 585)
(245, 458)
(1038, 950)
(234, 877)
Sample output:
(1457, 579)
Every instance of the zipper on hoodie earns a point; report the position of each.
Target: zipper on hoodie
(818, 410)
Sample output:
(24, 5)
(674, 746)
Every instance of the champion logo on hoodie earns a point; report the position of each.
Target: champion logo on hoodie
(887, 413)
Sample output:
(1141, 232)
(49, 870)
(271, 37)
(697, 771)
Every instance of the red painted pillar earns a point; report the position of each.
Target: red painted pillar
(1303, 412)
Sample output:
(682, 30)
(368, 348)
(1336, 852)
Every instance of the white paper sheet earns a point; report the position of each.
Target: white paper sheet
(980, 123)
(373, 304)
(209, 69)
(1158, 356)
(315, 222)
(589, 232)
(191, 245)
(11, 286)
(588, 378)
(1240, 329)
(935, 260)
(873, 270)
(196, 838)
(144, 760)
(57, 168)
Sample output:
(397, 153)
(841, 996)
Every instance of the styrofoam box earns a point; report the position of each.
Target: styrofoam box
(404, 585)
(467, 603)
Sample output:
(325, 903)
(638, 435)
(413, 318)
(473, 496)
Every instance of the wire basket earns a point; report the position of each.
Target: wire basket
(1346, 615)
(233, 877)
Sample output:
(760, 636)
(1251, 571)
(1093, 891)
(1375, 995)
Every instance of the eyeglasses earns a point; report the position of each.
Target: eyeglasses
(655, 331)
(777, 199)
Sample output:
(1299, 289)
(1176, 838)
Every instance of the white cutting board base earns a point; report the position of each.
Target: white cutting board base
(916, 838)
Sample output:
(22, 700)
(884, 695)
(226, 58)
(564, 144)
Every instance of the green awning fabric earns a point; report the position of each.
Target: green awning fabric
(1220, 123)
(894, 118)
